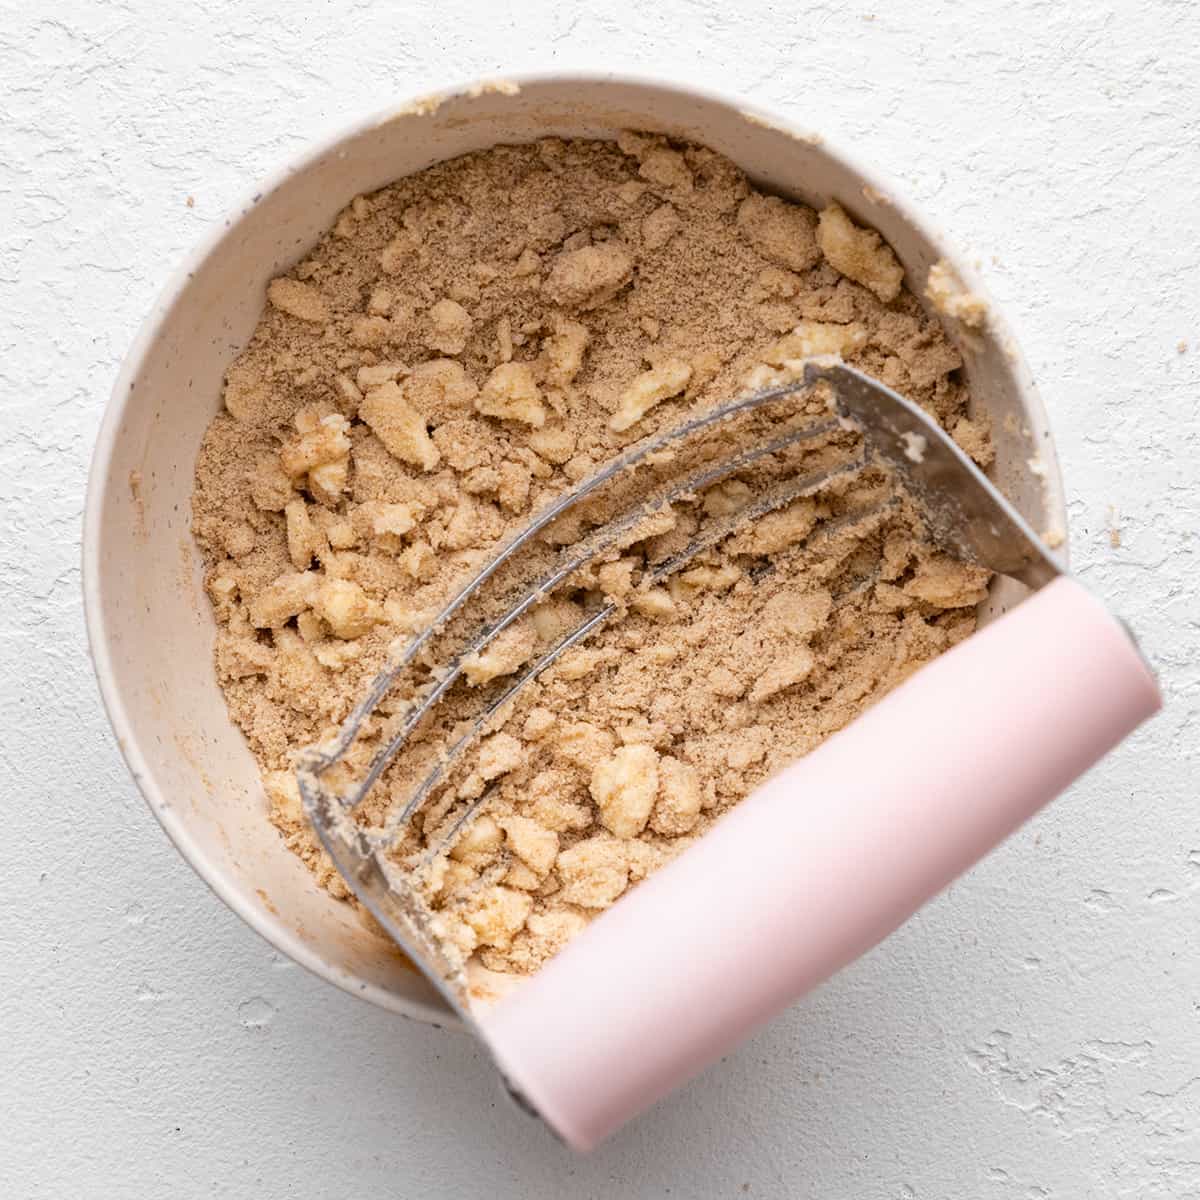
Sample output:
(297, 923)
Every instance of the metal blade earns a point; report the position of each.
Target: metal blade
(966, 514)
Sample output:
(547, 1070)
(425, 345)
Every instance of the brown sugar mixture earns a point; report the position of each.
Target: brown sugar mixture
(464, 346)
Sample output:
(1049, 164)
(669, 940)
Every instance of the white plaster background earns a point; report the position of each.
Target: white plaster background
(1035, 1033)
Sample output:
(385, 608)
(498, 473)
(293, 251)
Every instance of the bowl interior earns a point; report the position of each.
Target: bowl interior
(149, 619)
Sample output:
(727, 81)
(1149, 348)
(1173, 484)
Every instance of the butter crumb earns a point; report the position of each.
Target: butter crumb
(300, 300)
(398, 426)
(624, 786)
(500, 87)
(859, 254)
(647, 390)
(512, 394)
(951, 299)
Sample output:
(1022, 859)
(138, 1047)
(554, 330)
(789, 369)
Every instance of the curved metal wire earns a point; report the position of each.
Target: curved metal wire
(775, 499)
(317, 759)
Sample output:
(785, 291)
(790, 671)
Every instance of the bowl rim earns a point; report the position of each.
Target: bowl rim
(270, 928)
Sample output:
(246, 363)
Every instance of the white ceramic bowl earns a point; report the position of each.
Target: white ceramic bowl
(149, 622)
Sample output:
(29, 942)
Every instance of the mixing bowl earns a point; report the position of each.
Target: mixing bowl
(149, 622)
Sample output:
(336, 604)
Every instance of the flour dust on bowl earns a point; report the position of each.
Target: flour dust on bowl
(150, 621)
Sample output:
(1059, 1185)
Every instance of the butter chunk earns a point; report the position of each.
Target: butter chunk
(812, 338)
(951, 299)
(624, 787)
(677, 807)
(449, 326)
(974, 438)
(478, 842)
(284, 598)
(498, 914)
(781, 232)
(583, 744)
(347, 609)
(399, 426)
(300, 300)
(726, 497)
(668, 168)
(589, 276)
(242, 657)
(616, 578)
(376, 374)
(327, 482)
(563, 352)
(555, 445)
(859, 254)
(439, 390)
(385, 523)
(325, 440)
(703, 579)
(947, 583)
(283, 798)
(660, 227)
(533, 844)
(303, 537)
(791, 665)
(594, 872)
(654, 602)
(648, 389)
(499, 754)
(550, 797)
(507, 651)
(370, 332)
(247, 401)
(778, 530)
(550, 931)
(512, 394)
(797, 614)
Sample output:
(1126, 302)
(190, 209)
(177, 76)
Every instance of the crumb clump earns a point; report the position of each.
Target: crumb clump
(462, 347)
(859, 254)
(947, 294)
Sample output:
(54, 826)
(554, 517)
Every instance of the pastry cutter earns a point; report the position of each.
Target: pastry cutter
(824, 859)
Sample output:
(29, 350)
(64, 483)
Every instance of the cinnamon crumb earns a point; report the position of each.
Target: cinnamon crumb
(460, 348)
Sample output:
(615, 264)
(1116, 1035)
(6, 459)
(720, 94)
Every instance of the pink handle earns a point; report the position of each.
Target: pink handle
(821, 863)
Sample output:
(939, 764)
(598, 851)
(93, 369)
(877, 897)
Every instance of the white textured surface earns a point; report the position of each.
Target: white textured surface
(1033, 1034)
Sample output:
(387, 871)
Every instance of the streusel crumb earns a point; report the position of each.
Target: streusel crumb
(461, 348)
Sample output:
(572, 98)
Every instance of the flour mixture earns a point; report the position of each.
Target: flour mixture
(468, 343)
